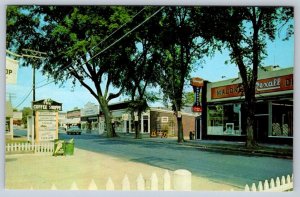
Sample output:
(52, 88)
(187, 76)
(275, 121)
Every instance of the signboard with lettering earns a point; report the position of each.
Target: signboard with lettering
(11, 70)
(197, 84)
(90, 109)
(46, 125)
(274, 84)
(47, 104)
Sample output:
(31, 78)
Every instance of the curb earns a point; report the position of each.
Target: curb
(278, 153)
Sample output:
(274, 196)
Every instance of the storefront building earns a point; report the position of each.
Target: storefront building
(224, 116)
(89, 118)
(154, 121)
(73, 118)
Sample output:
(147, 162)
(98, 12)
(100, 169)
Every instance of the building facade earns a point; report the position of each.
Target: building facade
(224, 115)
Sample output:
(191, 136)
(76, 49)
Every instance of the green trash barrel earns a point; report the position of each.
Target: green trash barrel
(69, 147)
(59, 147)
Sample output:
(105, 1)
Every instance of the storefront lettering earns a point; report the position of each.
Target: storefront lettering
(273, 83)
(289, 82)
(222, 92)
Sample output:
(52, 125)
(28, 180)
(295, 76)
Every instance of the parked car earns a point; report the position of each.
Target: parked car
(74, 130)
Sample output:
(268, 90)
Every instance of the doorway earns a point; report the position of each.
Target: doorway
(198, 127)
(261, 127)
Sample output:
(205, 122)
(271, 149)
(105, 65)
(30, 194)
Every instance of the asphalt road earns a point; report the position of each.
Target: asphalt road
(234, 169)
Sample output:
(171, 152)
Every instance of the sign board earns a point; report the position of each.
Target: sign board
(46, 125)
(47, 104)
(90, 109)
(197, 84)
(274, 84)
(17, 115)
(12, 67)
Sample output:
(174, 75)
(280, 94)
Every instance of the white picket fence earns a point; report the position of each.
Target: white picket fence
(280, 185)
(44, 147)
(181, 182)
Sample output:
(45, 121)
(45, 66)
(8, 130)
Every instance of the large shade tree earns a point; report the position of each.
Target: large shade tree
(142, 71)
(244, 31)
(74, 38)
(180, 46)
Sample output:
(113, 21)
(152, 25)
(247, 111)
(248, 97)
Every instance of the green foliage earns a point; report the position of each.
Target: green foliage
(188, 98)
(27, 111)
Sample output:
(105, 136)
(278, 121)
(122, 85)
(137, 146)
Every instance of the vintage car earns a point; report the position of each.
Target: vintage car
(74, 130)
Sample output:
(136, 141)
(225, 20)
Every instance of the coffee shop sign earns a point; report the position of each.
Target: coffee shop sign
(47, 104)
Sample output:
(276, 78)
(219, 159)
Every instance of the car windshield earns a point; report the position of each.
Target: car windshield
(74, 127)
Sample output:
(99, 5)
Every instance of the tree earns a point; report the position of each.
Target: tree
(27, 111)
(179, 46)
(142, 71)
(73, 38)
(244, 31)
(188, 98)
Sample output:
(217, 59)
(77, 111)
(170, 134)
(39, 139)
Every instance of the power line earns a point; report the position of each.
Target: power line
(124, 35)
(112, 43)
(25, 98)
(94, 47)
(118, 29)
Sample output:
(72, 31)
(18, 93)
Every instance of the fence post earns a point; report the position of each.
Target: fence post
(92, 185)
(74, 186)
(247, 189)
(167, 181)
(260, 186)
(110, 185)
(53, 187)
(125, 184)
(182, 180)
(272, 184)
(154, 182)
(266, 185)
(253, 188)
(140, 183)
(277, 182)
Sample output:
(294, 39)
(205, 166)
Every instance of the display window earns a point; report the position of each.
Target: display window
(224, 119)
(282, 119)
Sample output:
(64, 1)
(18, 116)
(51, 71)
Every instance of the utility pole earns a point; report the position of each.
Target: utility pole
(38, 55)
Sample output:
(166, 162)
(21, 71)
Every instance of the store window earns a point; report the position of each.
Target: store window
(224, 119)
(282, 118)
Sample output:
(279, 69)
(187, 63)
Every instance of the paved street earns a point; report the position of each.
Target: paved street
(233, 169)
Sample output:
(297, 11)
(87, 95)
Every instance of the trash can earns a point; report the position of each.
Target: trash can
(59, 147)
(69, 147)
(192, 135)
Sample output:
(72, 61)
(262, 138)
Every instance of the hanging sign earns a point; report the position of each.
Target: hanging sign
(12, 67)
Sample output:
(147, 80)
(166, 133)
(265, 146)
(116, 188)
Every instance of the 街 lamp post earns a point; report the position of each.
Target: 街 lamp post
(35, 55)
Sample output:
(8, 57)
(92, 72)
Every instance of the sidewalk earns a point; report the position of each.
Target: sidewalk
(40, 172)
(272, 150)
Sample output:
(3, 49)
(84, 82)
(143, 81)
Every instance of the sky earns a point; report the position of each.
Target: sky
(214, 69)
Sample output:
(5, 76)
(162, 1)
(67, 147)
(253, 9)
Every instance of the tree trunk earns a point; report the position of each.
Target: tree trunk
(250, 120)
(107, 116)
(137, 125)
(180, 130)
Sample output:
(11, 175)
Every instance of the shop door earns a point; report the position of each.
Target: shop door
(198, 127)
(261, 128)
